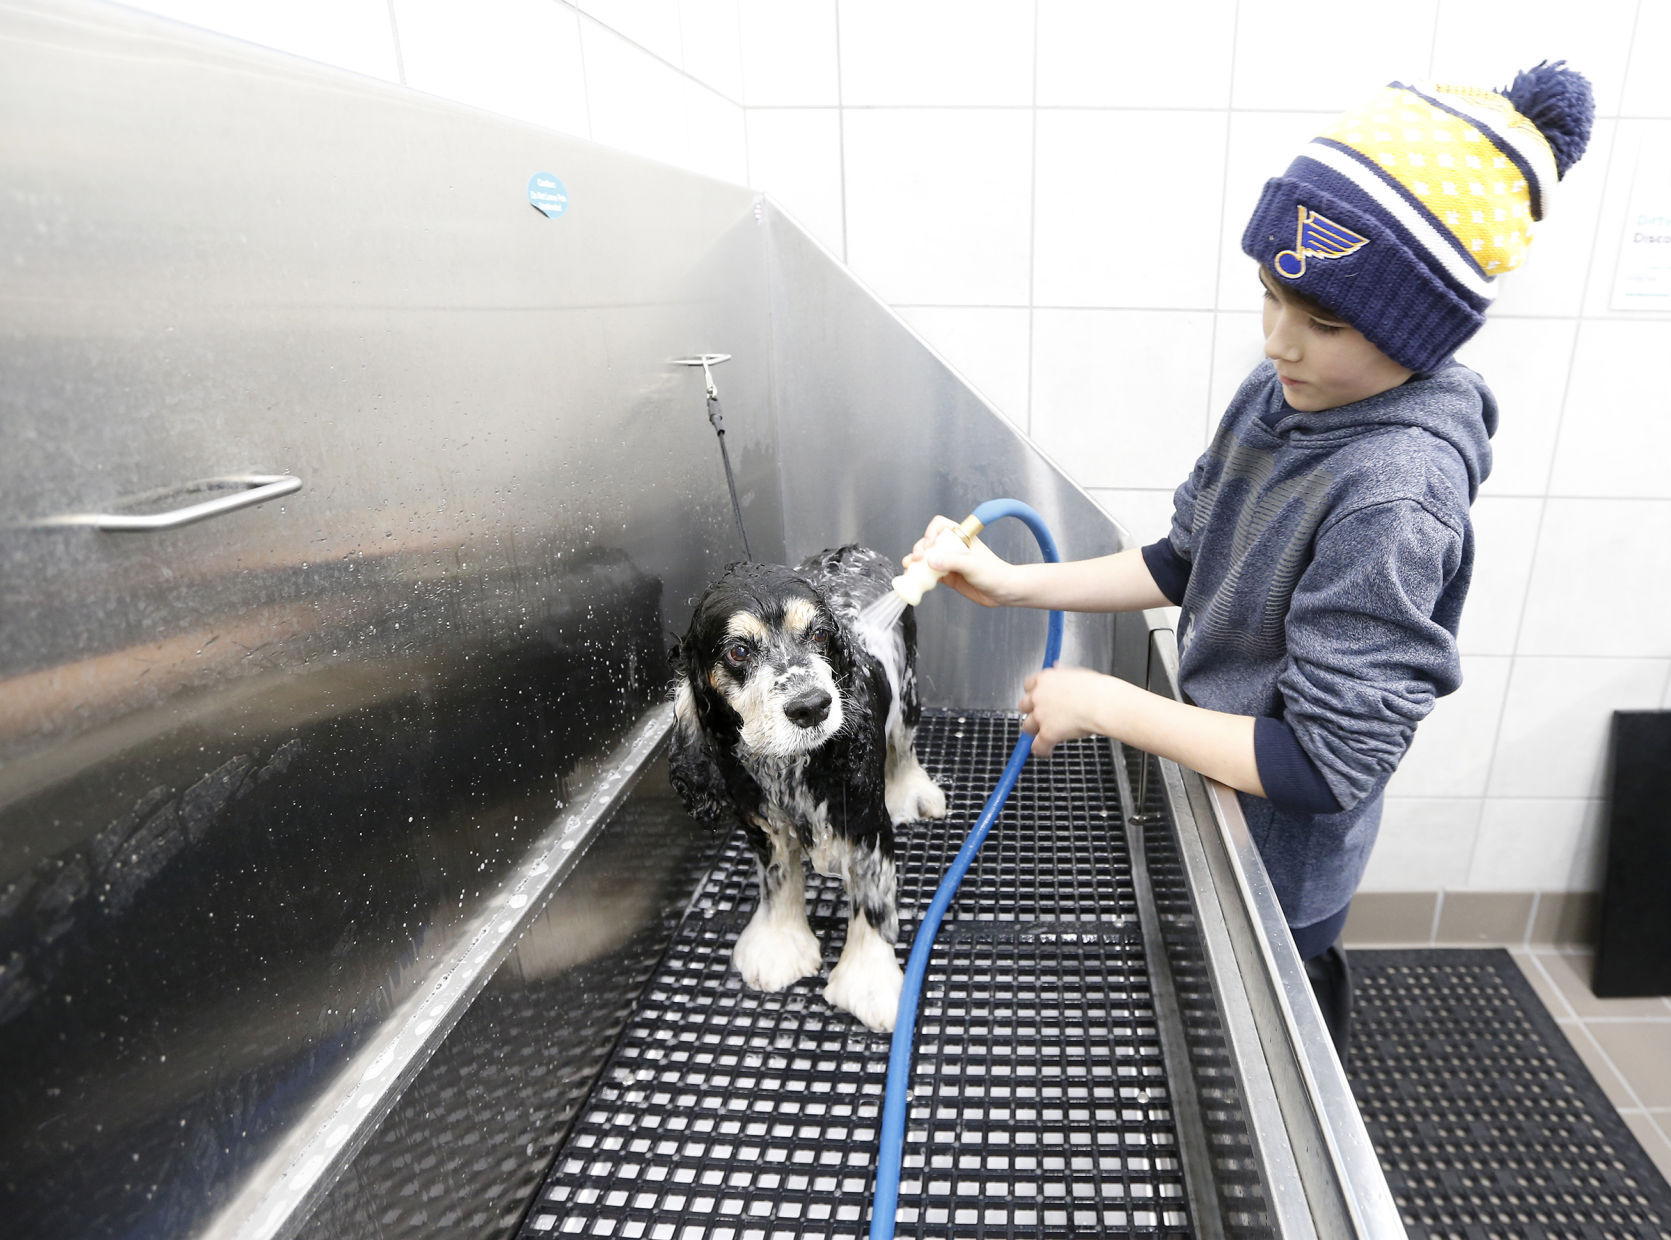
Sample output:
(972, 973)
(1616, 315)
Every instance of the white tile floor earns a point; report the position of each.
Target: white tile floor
(1626, 1043)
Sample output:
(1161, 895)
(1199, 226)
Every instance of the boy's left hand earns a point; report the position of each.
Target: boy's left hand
(1064, 704)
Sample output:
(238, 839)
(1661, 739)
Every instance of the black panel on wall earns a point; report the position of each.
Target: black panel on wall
(1633, 956)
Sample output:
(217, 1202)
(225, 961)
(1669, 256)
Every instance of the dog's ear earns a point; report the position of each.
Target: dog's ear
(691, 766)
(864, 699)
(848, 656)
(844, 652)
(863, 686)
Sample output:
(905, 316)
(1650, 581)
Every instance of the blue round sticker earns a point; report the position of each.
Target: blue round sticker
(548, 195)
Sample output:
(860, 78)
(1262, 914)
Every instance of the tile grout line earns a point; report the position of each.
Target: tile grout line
(1554, 987)
(1584, 1022)
(1613, 1067)
(1565, 1024)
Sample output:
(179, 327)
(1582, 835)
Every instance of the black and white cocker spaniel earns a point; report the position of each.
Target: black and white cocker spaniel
(799, 721)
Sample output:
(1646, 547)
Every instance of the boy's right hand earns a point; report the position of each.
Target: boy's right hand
(973, 570)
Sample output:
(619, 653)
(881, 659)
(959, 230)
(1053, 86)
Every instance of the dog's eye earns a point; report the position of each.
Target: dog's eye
(736, 654)
(821, 635)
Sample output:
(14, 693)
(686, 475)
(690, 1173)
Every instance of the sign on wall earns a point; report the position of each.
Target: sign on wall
(1642, 280)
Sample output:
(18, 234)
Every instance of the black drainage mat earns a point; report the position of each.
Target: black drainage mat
(1040, 1102)
(1486, 1121)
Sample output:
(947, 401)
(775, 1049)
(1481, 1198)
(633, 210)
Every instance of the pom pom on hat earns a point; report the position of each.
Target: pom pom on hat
(1399, 217)
(1561, 104)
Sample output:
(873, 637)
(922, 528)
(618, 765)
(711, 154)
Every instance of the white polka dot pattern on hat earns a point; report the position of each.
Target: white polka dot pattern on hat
(1444, 162)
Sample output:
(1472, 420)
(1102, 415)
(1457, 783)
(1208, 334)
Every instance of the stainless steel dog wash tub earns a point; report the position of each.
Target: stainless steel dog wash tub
(351, 495)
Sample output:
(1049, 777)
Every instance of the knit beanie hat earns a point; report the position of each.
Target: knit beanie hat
(1400, 216)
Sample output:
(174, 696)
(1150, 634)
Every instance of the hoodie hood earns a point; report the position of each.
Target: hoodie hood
(1452, 404)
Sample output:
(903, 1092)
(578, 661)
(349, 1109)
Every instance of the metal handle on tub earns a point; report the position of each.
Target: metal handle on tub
(262, 487)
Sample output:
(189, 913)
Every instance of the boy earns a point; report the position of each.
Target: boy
(1321, 549)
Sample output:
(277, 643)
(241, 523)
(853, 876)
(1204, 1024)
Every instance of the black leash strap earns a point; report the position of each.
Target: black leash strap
(718, 419)
(707, 360)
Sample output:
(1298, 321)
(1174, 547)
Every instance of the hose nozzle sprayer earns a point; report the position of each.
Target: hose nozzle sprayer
(890, 1149)
(919, 579)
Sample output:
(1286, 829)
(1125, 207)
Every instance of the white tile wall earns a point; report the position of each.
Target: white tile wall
(988, 347)
(1285, 62)
(790, 56)
(1118, 393)
(1505, 542)
(1647, 89)
(716, 134)
(1425, 844)
(1128, 56)
(1525, 362)
(660, 78)
(939, 205)
(639, 103)
(1052, 192)
(652, 24)
(1451, 753)
(1473, 43)
(1128, 207)
(1147, 515)
(1602, 578)
(795, 155)
(937, 53)
(1616, 430)
(1238, 346)
(711, 38)
(1539, 845)
(347, 34)
(520, 58)
(1553, 740)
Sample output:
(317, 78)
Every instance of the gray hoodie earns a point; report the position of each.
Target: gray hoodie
(1321, 561)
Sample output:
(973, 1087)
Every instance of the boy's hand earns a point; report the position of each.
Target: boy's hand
(973, 570)
(1065, 703)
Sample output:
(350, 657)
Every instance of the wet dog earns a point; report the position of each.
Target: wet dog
(798, 721)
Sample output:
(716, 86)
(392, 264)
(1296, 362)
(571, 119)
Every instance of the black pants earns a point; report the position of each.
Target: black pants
(1331, 982)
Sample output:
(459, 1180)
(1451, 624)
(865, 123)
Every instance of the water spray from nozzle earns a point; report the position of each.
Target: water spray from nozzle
(919, 579)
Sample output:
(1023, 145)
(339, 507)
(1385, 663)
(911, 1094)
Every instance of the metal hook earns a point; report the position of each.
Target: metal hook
(705, 360)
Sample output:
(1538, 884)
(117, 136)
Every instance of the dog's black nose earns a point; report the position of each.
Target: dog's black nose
(809, 709)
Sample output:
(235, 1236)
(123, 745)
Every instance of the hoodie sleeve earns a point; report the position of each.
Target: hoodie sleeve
(1169, 559)
(1366, 657)
(1169, 569)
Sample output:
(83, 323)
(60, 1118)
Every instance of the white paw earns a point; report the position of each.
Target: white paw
(912, 794)
(771, 955)
(867, 981)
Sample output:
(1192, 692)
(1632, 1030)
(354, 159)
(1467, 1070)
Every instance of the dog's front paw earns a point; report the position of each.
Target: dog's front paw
(931, 800)
(773, 956)
(867, 982)
(913, 794)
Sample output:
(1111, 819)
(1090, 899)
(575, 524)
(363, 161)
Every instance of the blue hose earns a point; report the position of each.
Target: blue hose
(891, 1143)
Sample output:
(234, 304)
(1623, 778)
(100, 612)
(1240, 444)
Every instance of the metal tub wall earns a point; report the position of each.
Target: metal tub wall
(264, 778)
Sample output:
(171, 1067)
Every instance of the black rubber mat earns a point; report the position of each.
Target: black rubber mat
(1486, 1121)
(1040, 1099)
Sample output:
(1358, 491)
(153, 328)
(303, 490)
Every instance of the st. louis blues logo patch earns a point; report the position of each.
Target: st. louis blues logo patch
(1318, 238)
